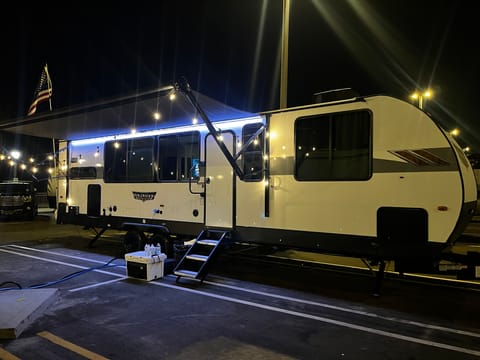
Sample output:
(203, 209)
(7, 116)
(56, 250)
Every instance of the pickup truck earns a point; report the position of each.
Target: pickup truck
(17, 199)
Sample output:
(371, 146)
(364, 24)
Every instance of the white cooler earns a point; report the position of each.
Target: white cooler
(144, 267)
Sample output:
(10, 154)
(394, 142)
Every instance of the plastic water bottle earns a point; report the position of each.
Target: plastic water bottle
(147, 250)
(158, 249)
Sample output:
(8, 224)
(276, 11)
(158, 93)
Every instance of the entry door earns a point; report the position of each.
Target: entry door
(94, 193)
(219, 192)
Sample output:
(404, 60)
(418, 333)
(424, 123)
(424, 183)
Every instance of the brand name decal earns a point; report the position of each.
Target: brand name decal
(144, 196)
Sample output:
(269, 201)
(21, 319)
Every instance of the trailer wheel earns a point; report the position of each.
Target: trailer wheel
(132, 241)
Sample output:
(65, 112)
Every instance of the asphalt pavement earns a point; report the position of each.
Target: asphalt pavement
(245, 309)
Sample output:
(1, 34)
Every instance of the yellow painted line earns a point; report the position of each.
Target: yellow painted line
(70, 346)
(5, 355)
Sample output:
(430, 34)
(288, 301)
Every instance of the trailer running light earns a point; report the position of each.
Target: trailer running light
(442, 208)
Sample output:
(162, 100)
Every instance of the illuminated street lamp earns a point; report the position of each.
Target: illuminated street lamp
(420, 96)
(15, 154)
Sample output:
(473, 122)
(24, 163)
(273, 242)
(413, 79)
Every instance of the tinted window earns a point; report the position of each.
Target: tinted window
(333, 147)
(253, 154)
(176, 156)
(85, 172)
(15, 189)
(188, 152)
(140, 160)
(115, 160)
(129, 160)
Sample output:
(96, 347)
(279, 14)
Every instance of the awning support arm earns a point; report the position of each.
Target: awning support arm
(186, 90)
(249, 141)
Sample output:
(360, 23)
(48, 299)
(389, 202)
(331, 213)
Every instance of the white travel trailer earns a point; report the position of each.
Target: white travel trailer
(372, 177)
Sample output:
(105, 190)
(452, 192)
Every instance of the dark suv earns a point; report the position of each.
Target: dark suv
(17, 199)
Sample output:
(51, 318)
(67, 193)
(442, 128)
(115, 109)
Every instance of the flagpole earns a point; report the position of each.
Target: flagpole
(54, 174)
(55, 170)
(49, 80)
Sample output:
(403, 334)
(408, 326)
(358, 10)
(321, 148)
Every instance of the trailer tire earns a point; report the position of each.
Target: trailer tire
(132, 241)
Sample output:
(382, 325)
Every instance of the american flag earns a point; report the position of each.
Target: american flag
(42, 92)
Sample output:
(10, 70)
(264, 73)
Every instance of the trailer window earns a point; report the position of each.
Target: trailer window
(115, 161)
(167, 158)
(140, 160)
(83, 172)
(253, 154)
(333, 147)
(176, 156)
(129, 160)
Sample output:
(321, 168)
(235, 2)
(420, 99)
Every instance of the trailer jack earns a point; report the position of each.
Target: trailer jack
(379, 276)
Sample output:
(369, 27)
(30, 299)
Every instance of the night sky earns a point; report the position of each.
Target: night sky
(230, 51)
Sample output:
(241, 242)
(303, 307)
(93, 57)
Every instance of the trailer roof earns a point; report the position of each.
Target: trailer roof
(119, 115)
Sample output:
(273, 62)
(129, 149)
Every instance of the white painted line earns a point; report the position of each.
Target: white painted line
(55, 253)
(60, 262)
(97, 284)
(285, 311)
(329, 321)
(121, 277)
(348, 310)
(333, 307)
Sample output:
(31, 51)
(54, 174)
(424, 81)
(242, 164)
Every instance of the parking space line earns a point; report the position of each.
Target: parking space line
(71, 346)
(54, 253)
(339, 308)
(60, 262)
(5, 355)
(97, 284)
(327, 320)
(353, 326)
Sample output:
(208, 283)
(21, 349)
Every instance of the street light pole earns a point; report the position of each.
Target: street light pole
(284, 58)
(420, 95)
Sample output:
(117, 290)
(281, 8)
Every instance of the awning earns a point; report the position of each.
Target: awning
(122, 114)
